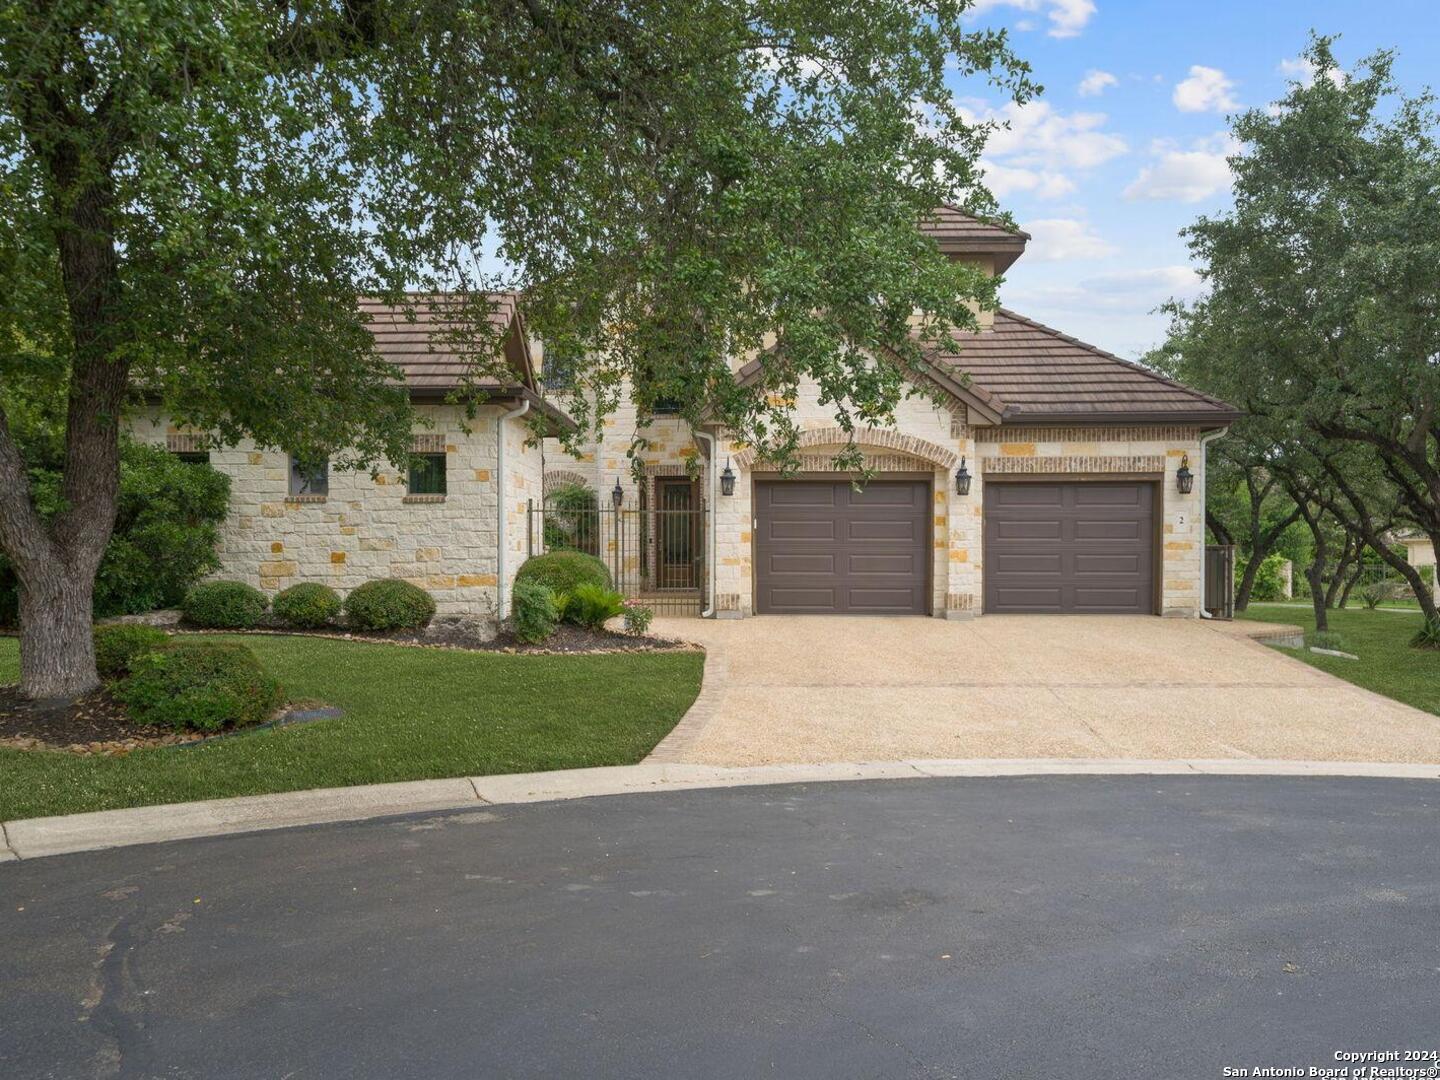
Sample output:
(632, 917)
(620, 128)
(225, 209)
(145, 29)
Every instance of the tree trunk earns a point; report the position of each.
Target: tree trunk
(1350, 583)
(57, 647)
(1342, 568)
(1315, 574)
(1247, 583)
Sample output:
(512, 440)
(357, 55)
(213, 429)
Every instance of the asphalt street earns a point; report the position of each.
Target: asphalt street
(1060, 927)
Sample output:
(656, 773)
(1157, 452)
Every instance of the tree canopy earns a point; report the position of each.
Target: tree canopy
(195, 193)
(1322, 316)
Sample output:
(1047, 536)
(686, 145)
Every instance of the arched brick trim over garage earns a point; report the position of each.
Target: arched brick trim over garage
(561, 477)
(878, 438)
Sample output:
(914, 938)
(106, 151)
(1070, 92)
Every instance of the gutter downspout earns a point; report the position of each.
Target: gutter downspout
(500, 514)
(1205, 441)
(709, 612)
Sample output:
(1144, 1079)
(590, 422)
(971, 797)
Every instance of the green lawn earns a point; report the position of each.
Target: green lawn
(1387, 664)
(410, 714)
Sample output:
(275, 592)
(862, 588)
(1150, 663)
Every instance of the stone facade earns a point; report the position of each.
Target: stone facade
(369, 526)
(927, 441)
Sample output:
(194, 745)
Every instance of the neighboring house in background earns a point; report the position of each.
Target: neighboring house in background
(1071, 502)
(1072, 506)
(1420, 553)
(440, 525)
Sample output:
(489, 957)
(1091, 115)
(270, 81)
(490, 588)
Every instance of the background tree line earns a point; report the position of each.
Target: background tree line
(1321, 319)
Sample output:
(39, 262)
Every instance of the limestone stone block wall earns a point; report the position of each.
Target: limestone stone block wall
(371, 527)
(1145, 450)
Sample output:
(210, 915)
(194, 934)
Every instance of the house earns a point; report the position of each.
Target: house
(454, 523)
(1047, 477)
(1073, 501)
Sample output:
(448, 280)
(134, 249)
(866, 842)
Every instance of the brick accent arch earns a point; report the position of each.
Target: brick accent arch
(876, 438)
(560, 477)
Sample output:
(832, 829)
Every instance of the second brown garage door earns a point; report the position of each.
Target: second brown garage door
(1069, 547)
(823, 549)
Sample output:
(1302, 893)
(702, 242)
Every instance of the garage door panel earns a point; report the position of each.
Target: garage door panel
(883, 530)
(1096, 494)
(802, 494)
(1089, 529)
(899, 564)
(1069, 547)
(802, 564)
(1018, 562)
(1114, 563)
(801, 529)
(843, 551)
(1025, 495)
(1023, 529)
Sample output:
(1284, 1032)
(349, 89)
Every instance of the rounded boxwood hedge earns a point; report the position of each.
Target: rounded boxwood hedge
(225, 605)
(389, 604)
(199, 686)
(116, 646)
(561, 571)
(307, 606)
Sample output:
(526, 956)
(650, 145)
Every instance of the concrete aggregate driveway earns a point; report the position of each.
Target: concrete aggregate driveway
(1075, 927)
(836, 688)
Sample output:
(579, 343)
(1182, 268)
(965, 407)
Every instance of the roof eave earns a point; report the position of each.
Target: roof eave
(1206, 417)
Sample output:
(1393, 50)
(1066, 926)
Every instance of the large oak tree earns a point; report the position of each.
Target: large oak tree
(1323, 313)
(193, 194)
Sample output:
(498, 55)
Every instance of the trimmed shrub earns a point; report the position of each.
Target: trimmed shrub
(225, 605)
(592, 606)
(389, 604)
(199, 686)
(533, 612)
(562, 571)
(637, 619)
(1269, 578)
(308, 606)
(116, 646)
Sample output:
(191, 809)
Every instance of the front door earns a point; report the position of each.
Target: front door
(677, 530)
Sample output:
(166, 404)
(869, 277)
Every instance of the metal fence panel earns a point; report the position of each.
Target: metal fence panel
(1219, 597)
(656, 556)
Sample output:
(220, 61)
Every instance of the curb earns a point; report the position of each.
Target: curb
(34, 838)
(684, 735)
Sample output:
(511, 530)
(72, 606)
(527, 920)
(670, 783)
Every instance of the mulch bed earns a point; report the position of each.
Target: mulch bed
(565, 639)
(94, 723)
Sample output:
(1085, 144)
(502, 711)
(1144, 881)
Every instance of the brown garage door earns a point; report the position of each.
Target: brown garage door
(1069, 547)
(823, 549)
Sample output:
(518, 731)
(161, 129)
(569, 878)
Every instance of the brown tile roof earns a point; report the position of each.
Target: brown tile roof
(416, 336)
(1030, 372)
(958, 233)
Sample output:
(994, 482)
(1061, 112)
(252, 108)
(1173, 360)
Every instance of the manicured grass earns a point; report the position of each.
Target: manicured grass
(410, 714)
(1387, 664)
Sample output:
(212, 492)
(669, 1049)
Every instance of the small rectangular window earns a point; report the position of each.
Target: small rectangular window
(309, 479)
(427, 474)
(194, 457)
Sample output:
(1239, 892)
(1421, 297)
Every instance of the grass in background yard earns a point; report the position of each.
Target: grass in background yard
(410, 714)
(1387, 664)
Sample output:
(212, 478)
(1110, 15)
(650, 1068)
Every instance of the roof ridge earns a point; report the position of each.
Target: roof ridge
(1133, 365)
(1017, 231)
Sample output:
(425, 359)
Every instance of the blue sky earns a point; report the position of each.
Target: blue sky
(1127, 144)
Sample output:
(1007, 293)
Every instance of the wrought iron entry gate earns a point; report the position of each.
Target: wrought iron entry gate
(655, 554)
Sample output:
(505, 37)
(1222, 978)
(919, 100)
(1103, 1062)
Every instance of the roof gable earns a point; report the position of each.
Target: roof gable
(1034, 372)
(419, 335)
(957, 234)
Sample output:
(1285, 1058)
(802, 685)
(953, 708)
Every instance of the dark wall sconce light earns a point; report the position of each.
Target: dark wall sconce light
(727, 480)
(1184, 478)
(962, 479)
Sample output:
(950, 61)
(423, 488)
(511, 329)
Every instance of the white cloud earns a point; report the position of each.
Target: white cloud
(1067, 17)
(1186, 175)
(1036, 135)
(1056, 239)
(1002, 180)
(1133, 291)
(1206, 90)
(1095, 82)
(1302, 70)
